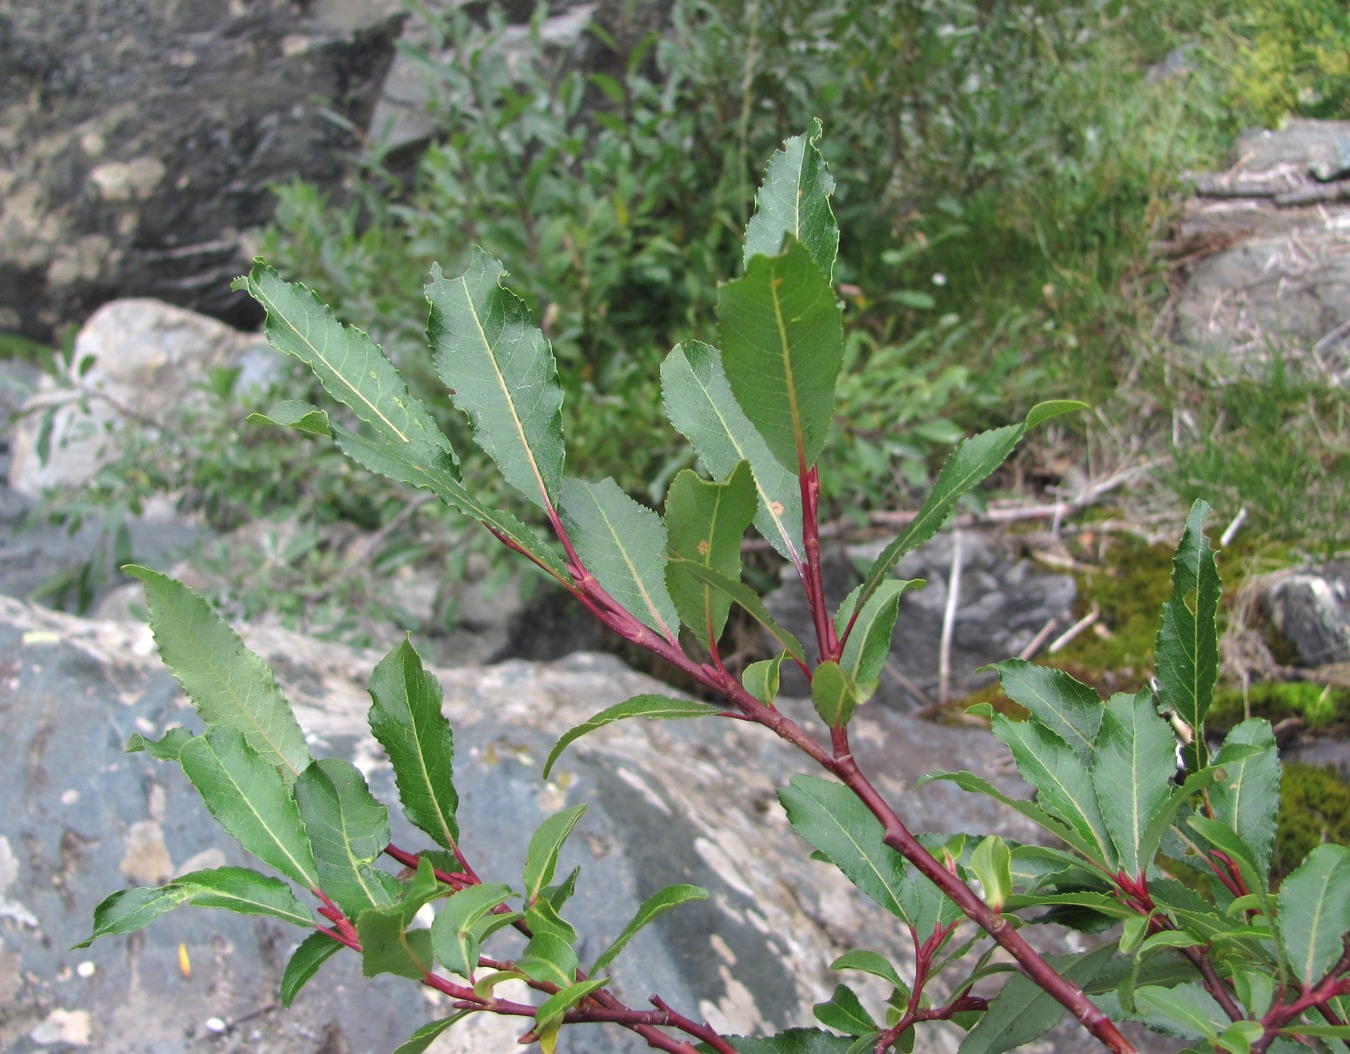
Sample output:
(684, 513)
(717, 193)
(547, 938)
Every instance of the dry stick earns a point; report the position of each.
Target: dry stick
(948, 621)
(1069, 634)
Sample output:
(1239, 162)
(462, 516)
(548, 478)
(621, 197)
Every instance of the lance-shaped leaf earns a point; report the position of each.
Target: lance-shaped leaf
(705, 523)
(549, 958)
(834, 694)
(794, 1041)
(248, 797)
(869, 641)
(868, 962)
(500, 371)
(1247, 795)
(844, 1012)
(700, 404)
(456, 931)
(1063, 785)
(794, 199)
(551, 1011)
(1187, 1010)
(968, 781)
(653, 707)
(348, 829)
(1067, 707)
(751, 604)
(541, 857)
(304, 963)
(350, 366)
(782, 348)
(622, 543)
(1187, 649)
(1314, 911)
(1132, 770)
(426, 1035)
(969, 465)
(406, 719)
(228, 684)
(652, 908)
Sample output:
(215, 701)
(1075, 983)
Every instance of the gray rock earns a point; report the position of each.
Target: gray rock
(139, 139)
(1309, 612)
(1003, 603)
(685, 801)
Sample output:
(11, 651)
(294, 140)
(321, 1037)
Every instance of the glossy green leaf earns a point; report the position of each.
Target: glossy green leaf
(1132, 772)
(501, 373)
(541, 858)
(622, 543)
(406, 720)
(248, 797)
(556, 1005)
(793, 1041)
(1314, 911)
(1255, 987)
(1247, 795)
(652, 908)
(705, 524)
(165, 748)
(652, 707)
(968, 781)
(348, 830)
(749, 602)
(297, 414)
(347, 363)
(868, 962)
(304, 963)
(544, 917)
(761, 678)
(1188, 1009)
(455, 933)
(129, 910)
(844, 1012)
(1187, 648)
(548, 958)
(868, 644)
(699, 402)
(1070, 709)
(794, 200)
(1063, 786)
(389, 946)
(833, 693)
(229, 685)
(991, 863)
(426, 1035)
(782, 349)
(1161, 822)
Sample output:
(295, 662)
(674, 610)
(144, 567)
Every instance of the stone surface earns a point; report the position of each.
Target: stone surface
(138, 139)
(1309, 614)
(1266, 248)
(669, 802)
(1002, 604)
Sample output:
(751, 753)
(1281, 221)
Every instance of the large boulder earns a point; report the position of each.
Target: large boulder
(688, 801)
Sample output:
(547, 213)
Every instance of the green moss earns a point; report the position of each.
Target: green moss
(1314, 808)
(1319, 706)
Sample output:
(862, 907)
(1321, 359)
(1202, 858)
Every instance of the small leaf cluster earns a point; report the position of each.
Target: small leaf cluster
(1150, 827)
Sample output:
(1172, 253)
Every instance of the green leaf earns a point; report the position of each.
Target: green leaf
(500, 371)
(1070, 709)
(793, 1041)
(163, 749)
(622, 543)
(1188, 1009)
(388, 946)
(1314, 911)
(1247, 797)
(968, 781)
(1255, 987)
(992, 864)
(129, 910)
(244, 892)
(868, 962)
(556, 1005)
(833, 694)
(1064, 787)
(541, 858)
(294, 413)
(839, 826)
(424, 1036)
(794, 200)
(348, 829)
(314, 951)
(969, 464)
(1023, 1011)
(229, 685)
(868, 644)
(750, 602)
(406, 719)
(653, 907)
(248, 797)
(705, 523)
(549, 958)
(844, 1013)
(700, 404)
(782, 350)
(455, 933)
(1132, 774)
(1187, 648)
(652, 707)
(761, 678)
(347, 363)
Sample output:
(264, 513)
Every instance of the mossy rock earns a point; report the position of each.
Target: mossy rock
(1314, 808)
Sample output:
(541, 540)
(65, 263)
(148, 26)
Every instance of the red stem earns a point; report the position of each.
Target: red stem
(828, 643)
